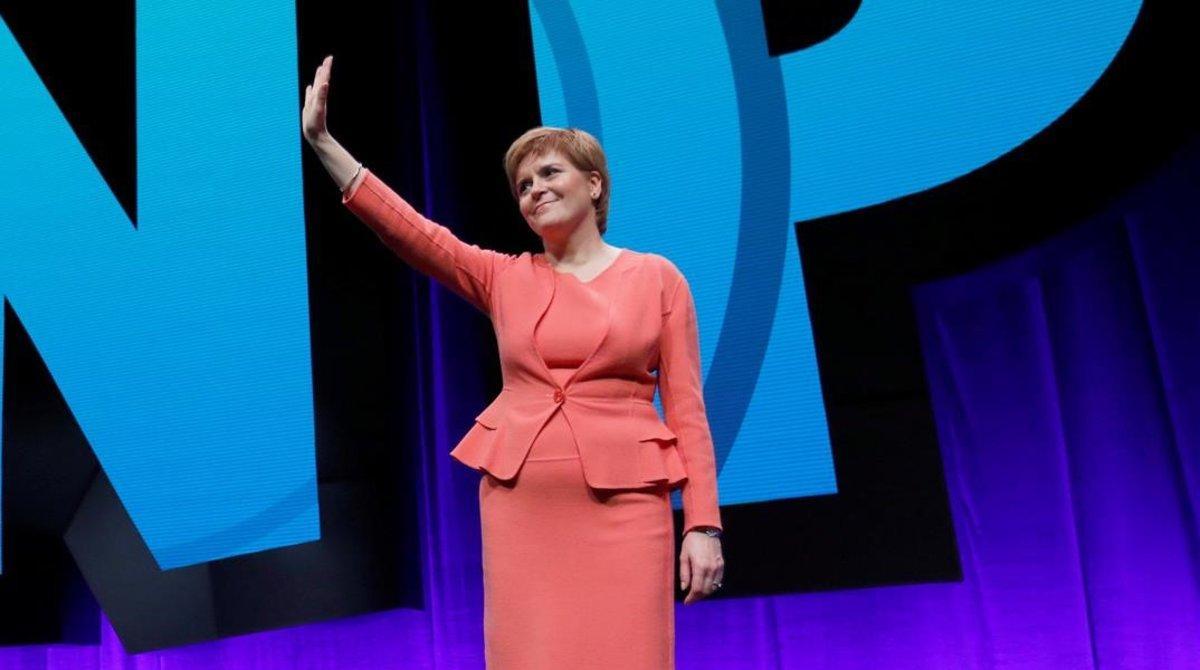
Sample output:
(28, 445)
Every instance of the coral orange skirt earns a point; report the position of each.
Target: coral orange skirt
(575, 578)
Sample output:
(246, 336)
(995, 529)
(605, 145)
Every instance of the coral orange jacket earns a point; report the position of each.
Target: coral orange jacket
(609, 400)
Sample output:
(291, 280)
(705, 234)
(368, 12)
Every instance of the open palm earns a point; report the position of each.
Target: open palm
(316, 102)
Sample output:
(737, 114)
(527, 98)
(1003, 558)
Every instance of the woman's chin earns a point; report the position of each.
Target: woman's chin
(553, 228)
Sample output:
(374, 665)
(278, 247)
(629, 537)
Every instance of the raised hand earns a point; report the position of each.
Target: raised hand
(316, 97)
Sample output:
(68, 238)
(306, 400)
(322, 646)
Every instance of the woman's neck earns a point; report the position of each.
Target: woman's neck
(577, 250)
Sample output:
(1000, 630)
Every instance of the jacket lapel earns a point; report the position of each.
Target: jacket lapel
(544, 292)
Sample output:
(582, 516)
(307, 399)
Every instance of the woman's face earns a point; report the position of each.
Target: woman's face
(554, 195)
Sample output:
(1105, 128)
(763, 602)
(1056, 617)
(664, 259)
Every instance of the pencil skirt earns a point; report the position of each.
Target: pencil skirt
(575, 577)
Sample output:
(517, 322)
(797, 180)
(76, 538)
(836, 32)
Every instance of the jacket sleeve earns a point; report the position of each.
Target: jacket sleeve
(429, 247)
(682, 390)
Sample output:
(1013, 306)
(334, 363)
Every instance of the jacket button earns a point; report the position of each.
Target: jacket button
(558, 395)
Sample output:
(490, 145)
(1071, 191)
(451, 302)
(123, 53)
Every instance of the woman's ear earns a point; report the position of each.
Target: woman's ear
(597, 184)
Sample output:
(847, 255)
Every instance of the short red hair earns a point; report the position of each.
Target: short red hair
(578, 146)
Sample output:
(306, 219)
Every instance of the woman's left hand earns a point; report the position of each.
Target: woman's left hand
(700, 565)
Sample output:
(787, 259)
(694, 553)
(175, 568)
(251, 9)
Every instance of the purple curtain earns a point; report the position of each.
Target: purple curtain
(1066, 386)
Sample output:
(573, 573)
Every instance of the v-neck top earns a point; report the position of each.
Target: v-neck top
(573, 323)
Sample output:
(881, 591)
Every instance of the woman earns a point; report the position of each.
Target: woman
(577, 467)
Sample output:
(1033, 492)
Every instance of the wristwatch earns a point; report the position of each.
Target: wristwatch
(709, 531)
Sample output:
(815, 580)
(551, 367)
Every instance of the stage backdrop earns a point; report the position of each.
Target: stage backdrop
(400, 367)
(1064, 383)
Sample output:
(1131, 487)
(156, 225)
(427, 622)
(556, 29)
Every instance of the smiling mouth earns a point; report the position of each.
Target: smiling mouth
(539, 207)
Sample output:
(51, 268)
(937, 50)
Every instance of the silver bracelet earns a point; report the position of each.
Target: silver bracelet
(349, 183)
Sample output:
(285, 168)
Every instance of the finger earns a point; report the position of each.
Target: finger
(685, 572)
(710, 584)
(324, 69)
